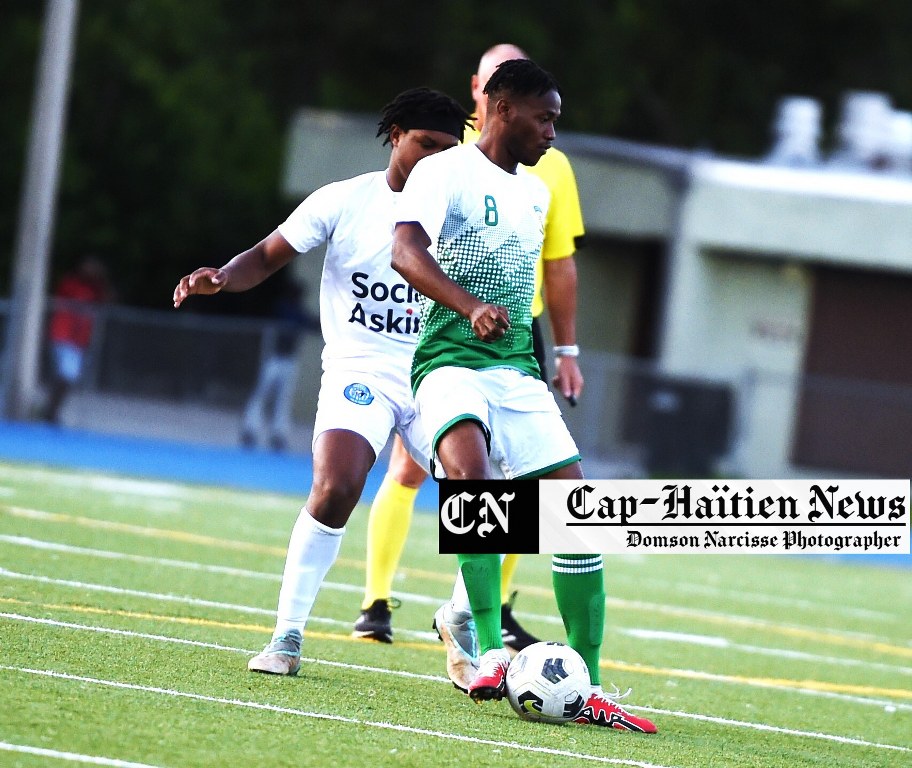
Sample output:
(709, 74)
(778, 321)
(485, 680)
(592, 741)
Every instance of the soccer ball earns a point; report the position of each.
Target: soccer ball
(548, 683)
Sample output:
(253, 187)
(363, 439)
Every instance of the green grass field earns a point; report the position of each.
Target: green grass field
(128, 609)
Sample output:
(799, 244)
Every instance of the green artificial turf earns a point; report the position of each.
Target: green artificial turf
(129, 609)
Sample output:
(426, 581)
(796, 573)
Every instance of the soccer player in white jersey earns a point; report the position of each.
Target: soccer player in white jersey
(369, 317)
(470, 225)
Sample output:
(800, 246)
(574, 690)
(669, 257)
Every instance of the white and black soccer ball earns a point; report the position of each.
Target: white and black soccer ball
(548, 683)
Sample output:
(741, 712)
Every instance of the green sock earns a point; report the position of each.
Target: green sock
(579, 588)
(482, 581)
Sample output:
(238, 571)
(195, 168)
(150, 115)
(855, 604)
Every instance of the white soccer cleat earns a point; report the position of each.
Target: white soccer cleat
(282, 656)
(457, 631)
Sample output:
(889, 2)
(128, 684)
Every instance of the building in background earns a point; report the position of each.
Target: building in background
(742, 317)
(737, 317)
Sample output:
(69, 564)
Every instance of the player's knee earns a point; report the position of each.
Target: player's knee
(463, 451)
(332, 499)
(465, 465)
(406, 472)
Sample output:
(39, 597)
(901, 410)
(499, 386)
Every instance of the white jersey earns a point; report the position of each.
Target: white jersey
(368, 313)
(486, 228)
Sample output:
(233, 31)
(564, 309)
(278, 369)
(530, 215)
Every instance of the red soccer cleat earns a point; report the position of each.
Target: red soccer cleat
(491, 680)
(601, 709)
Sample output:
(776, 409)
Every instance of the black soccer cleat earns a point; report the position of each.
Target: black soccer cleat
(515, 638)
(375, 622)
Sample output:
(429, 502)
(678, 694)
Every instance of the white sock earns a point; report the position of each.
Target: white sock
(460, 598)
(312, 549)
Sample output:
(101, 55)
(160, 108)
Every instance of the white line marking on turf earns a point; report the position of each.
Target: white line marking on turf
(135, 593)
(687, 673)
(620, 603)
(191, 600)
(114, 484)
(215, 646)
(721, 642)
(740, 620)
(335, 718)
(72, 757)
(778, 729)
(434, 678)
(758, 598)
(51, 546)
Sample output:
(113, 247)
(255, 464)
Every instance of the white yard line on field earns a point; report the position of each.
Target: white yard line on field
(840, 637)
(190, 565)
(825, 603)
(121, 484)
(186, 600)
(71, 757)
(826, 634)
(710, 641)
(106, 554)
(849, 693)
(215, 646)
(645, 634)
(335, 718)
(438, 679)
(777, 729)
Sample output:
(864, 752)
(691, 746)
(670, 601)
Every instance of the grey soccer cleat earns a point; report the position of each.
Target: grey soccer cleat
(282, 656)
(457, 630)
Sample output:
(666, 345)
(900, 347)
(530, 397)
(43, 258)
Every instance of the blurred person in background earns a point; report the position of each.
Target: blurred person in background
(268, 413)
(555, 276)
(369, 317)
(73, 314)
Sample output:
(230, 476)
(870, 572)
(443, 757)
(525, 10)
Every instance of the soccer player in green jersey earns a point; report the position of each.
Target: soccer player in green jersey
(392, 507)
(469, 231)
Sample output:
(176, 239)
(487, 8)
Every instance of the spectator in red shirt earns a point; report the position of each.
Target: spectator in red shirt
(72, 320)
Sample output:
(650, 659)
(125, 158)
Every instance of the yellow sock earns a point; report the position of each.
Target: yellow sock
(387, 529)
(507, 569)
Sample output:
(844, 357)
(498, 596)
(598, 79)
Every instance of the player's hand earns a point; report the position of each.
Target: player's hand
(490, 321)
(205, 281)
(568, 379)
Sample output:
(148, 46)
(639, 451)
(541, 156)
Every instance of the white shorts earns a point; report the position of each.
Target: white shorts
(527, 436)
(373, 407)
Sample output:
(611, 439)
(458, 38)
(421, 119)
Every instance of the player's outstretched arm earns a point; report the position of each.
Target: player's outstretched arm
(243, 272)
(413, 261)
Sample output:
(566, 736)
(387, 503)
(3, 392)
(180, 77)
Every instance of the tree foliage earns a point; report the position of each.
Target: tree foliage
(179, 111)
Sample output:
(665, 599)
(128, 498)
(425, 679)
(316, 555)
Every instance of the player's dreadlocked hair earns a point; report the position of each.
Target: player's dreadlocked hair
(521, 77)
(423, 108)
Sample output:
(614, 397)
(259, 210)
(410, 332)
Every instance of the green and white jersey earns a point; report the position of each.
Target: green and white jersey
(486, 228)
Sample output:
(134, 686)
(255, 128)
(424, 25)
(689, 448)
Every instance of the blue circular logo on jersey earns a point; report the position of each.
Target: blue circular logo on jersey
(359, 394)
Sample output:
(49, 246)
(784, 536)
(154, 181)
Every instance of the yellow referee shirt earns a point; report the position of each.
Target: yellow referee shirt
(564, 222)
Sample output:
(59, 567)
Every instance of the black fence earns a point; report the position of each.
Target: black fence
(633, 415)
